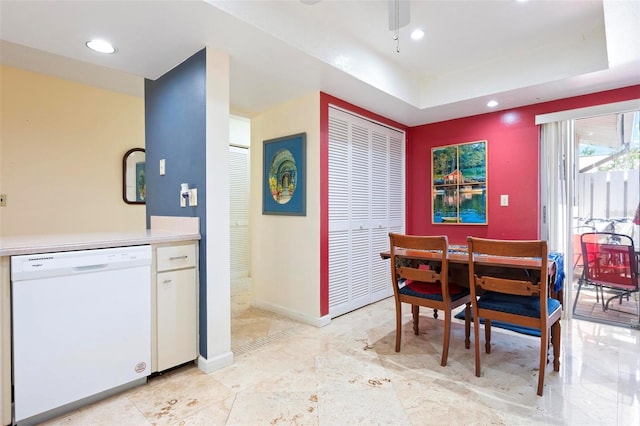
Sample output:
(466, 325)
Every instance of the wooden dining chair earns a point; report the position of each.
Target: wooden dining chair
(519, 296)
(420, 276)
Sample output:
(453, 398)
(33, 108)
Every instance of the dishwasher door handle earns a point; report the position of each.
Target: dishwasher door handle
(90, 268)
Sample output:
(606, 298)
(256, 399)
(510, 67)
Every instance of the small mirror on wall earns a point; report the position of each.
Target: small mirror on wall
(134, 182)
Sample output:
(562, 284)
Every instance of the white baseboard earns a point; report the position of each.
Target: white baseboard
(268, 306)
(208, 365)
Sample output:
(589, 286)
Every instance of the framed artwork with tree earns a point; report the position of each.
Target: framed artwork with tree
(459, 184)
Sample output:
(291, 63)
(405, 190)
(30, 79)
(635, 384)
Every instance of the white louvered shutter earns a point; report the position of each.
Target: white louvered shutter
(396, 182)
(380, 274)
(239, 211)
(339, 189)
(361, 175)
(360, 228)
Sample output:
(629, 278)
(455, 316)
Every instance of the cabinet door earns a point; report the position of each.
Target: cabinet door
(5, 341)
(177, 318)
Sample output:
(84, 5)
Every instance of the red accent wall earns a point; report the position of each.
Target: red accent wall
(513, 169)
(513, 166)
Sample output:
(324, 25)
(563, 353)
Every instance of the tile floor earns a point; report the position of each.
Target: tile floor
(347, 373)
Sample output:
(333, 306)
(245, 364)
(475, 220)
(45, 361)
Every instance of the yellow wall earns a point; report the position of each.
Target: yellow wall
(61, 149)
(285, 250)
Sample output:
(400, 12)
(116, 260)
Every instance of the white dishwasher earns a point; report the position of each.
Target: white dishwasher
(81, 327)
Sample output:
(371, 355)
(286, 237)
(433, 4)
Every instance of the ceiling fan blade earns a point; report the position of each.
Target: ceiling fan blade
(399, 14)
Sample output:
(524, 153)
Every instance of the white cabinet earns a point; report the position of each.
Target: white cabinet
(176, 316)
(5, 342)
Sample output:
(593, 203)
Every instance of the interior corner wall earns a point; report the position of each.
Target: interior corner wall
(513, 167)
(285, 250)
(61, 150)
(175, 122)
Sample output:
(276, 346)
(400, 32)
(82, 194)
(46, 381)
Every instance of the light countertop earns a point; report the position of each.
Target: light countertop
(34, 244)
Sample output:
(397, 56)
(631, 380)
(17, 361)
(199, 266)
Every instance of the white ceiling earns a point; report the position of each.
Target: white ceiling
(518, 53)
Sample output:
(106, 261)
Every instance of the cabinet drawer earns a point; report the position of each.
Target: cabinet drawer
(176, 257)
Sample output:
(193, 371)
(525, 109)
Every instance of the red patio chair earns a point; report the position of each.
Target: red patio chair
(609, 263)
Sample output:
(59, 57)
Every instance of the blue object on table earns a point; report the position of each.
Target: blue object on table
(558, 258)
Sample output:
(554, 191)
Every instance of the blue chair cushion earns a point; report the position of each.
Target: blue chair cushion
(519, 305)
(432, 291)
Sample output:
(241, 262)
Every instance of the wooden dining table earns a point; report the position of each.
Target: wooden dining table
(458, 257)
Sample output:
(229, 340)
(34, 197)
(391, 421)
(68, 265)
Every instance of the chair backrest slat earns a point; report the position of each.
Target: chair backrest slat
(520, 248)
(416, 274)
(419, 242)
(503, 285)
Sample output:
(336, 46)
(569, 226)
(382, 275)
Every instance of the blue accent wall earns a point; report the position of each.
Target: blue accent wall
(175, 129)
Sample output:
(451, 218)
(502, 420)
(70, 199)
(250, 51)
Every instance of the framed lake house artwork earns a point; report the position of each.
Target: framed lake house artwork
(459, 184)
(284, 176)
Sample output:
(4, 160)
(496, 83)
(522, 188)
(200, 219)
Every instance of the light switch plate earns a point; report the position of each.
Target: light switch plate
(504, 200)
(163, 169)
(193, 197)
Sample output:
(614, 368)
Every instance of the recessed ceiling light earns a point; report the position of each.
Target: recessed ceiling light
(417, 34)
(492, 104)
(101, 46)
(342, 62)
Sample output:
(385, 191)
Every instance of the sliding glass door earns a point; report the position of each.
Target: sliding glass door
(607, 197)
(590, 180)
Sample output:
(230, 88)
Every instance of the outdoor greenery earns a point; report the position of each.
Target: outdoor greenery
(444, 161)
(628, 161)
(468, 158)
(472, 160)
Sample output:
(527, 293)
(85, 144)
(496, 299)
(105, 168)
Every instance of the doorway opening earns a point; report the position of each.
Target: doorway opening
(251, 327)
(607, 200)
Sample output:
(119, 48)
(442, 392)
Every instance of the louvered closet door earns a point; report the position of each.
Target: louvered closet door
(339, 235)
(360, 220)
(239, 211)
(359, 195)
(396, 183)
(380, 274)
